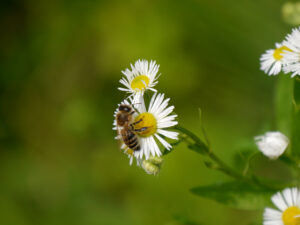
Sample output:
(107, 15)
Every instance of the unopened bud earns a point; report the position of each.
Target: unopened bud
(272, 144)
(152, 165)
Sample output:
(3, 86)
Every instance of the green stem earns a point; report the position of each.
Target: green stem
(193, 136)
(222, 165)
(226, 169)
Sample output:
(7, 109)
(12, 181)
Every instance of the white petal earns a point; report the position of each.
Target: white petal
(169, 134)
(166, 124)
(155, 147)
(287, 194)
(272, 214)
(278, 200)
(165, 112)
(164, 143)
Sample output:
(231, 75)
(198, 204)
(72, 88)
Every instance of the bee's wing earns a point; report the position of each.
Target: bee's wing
(120, 133)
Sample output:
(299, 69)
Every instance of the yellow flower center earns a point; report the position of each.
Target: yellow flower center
(291, 216)
(140, 82)
(146, 123)
(278, 51)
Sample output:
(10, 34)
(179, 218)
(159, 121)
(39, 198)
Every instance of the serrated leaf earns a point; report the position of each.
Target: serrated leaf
(236, 194)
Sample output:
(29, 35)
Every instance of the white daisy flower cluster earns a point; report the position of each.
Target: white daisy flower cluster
(285, 57)
(288, 208)
(143, 134)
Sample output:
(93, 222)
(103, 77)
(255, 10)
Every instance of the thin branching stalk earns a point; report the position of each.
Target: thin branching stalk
(222, 166)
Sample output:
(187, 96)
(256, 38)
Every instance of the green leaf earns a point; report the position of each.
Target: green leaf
(295, 138)
(244, 153)
(236, 194)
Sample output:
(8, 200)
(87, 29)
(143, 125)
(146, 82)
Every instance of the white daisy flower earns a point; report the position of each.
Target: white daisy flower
(150, 125)
(143, 76)
(271, 61)
(156, 119)
(292, 54)
(288, 212)
(272, 144)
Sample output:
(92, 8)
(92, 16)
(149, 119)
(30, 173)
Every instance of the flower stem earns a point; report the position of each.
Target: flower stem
(222, 166)
(193, 136)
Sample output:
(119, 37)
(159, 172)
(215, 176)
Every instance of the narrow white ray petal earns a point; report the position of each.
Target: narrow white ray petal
(278, 200)
(163, 142)
(166, 112)
(168, 134)
(152, 89)
(147, 151)
(152, 102)
(151, 146)
(157, 102)
(167, 119)
(130, 160)
(124, 89)
(157, 151)
(140, 104)
(287, 194)
(294, 196)
(125, 83)
(272, 214)
(298, 198)
(273, 222)
(166, 124)
(162, 106)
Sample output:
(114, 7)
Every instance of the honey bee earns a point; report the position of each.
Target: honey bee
(126, 130)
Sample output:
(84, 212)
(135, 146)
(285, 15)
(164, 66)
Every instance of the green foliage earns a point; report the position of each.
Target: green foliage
(236, 194)
(283, 103)
(60, 66)
(244, 153)
(295, 140)
(183, 220)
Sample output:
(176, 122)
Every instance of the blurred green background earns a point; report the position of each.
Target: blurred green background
(60, 65)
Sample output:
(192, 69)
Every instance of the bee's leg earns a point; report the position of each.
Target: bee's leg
(141, 129)
(135, 123)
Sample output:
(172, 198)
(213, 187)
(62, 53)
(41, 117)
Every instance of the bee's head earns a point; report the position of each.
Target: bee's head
(125, 108)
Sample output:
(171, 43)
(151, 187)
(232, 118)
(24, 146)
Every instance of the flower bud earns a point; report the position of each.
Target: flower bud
(152, 165)
(272, 144)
